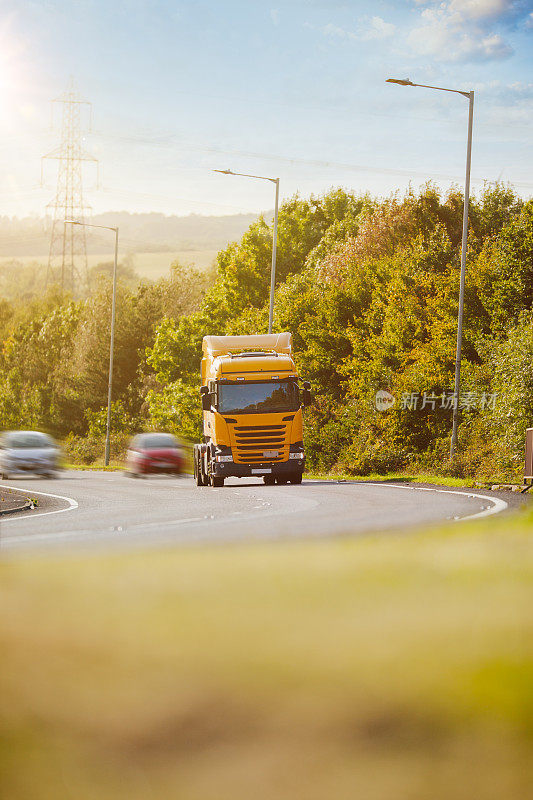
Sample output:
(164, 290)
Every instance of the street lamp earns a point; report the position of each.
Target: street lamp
(112, 341)
(274, 235)
(470, 97)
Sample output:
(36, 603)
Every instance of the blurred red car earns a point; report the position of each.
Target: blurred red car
(154, 452)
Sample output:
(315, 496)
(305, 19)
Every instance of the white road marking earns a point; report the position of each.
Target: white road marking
(498, 504)
(72, 504)
(167, 522)
(39, 537)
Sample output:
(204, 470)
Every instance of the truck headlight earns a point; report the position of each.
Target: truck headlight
(223, 458)
(296, 455)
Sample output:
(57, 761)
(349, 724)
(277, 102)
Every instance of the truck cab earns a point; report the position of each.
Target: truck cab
(252, 410)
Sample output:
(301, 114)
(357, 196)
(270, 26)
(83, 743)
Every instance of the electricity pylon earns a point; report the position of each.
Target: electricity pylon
(67, 258)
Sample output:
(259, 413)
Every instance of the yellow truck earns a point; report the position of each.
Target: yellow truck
(252, 410)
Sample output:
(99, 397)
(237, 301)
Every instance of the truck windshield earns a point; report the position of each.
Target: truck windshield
(254, 398)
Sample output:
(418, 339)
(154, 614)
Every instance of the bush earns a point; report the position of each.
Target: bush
(90, 450)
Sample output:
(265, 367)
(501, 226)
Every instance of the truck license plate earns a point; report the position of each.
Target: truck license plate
(270, 454)
(261, 471)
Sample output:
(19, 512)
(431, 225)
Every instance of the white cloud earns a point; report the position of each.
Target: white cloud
(375, 28)
(460, 30)
(482, 9)
(274, 15)
(491, 47)
(334, 31)
(370, 28)
(474, 9)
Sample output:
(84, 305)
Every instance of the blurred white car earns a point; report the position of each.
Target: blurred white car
(28, 451)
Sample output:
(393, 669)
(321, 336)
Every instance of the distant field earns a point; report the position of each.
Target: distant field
(147, 265)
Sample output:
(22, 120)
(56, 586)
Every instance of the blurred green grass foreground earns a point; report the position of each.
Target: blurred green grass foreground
(394, 667)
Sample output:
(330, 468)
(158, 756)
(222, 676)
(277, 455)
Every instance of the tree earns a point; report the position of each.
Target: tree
(503, 275)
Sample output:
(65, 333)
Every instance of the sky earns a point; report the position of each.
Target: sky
(293, 89)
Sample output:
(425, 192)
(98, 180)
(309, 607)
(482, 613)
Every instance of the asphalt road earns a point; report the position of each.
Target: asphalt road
(109, 508)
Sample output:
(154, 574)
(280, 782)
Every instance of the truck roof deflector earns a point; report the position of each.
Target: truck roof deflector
(224, 345)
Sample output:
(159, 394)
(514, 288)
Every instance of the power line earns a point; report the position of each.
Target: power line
(173, 142)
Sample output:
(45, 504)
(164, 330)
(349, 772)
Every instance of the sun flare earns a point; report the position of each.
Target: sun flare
(11, 73)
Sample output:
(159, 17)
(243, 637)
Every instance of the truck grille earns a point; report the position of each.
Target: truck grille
(252, 441)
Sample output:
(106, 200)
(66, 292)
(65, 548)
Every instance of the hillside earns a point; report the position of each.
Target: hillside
(140, 233)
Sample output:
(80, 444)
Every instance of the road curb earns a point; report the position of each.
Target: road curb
(25, 507)
(39, 510)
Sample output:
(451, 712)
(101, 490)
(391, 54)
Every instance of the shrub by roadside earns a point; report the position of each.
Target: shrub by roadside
(89, 450)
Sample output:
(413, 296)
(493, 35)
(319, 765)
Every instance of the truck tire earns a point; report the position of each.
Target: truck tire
(198, 471)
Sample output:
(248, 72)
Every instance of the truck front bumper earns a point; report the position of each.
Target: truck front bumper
(276, 468)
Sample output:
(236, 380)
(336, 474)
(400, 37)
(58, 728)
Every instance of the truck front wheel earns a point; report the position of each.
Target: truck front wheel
(198, 471)
(197, 474)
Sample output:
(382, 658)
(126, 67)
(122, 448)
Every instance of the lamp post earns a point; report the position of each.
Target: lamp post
(112, 339)
(274, 235)
(470, 97)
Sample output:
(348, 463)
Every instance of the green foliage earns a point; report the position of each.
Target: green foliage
(511, 366)
(90, 448)
(369, 291)
(503, 276)
(31, 393)
(125, 272)
(380, 312)
(55, 355)
(21, 282)
(177, 349)
(120, 420)
(176, 408)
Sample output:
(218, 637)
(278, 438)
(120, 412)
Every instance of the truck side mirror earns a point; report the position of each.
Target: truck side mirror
(206, 398)
(307, 398)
